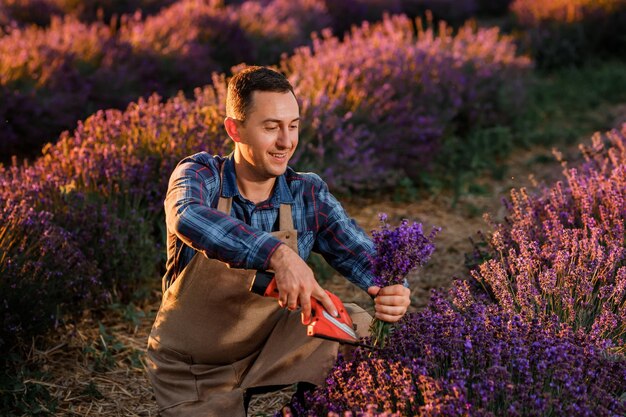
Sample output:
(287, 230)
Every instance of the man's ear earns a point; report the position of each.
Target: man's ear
(232, 129)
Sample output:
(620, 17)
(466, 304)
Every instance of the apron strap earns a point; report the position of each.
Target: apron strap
(224, 205)
(285, 217)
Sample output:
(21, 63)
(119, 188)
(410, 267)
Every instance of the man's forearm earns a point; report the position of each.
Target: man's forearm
(224, 238)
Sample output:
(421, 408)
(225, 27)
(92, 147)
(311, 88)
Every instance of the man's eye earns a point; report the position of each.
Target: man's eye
(271, 127)
(293, 127)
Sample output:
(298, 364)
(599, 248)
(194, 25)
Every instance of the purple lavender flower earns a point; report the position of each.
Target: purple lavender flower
(561, 252)
(461, 357)
(400, 250)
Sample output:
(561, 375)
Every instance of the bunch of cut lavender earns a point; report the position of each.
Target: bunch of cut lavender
(398, 252)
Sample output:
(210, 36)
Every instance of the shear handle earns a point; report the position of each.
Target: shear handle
(264, 284)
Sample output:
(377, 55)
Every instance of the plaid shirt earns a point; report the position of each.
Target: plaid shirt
(242, 239)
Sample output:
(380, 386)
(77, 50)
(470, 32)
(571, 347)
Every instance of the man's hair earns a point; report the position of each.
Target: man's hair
(251, 79)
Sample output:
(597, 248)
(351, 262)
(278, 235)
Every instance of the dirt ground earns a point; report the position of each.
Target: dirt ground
(97, 365)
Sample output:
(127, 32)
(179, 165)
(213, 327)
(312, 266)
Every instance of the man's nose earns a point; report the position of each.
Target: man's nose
(283, 140)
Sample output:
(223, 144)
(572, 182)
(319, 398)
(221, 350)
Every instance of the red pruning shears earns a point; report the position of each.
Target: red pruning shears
(323, 324)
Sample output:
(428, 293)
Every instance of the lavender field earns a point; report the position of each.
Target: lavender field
(432, 111)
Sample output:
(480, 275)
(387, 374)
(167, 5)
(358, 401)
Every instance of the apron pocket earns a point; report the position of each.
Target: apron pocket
(171, 376)
(211, 379)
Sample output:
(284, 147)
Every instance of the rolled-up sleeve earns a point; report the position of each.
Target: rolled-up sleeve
(189, 215)
(344, 245)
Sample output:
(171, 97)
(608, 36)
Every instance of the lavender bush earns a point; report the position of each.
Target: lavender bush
(433, 86)
(43, 273)
(463, 357)
(135, 151)
(275, 27)
(39, 12)
(398, 251)
(453, 11)
(62, 73)
(104, 184)
(554, 342)
(111, 174)
(112, 231)
(565, 32)
(561, 252)
(53, 75)
(191, 40)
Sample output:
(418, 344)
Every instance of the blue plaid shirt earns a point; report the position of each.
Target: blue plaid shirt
(243, 240)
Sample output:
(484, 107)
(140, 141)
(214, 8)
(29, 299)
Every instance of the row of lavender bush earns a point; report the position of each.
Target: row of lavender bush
(66, 71)
(62, 73)
(380, 104)
(104, 183)
(39, 12)
(566, 32)
(553, 342)
(100, 191)
(343, 12)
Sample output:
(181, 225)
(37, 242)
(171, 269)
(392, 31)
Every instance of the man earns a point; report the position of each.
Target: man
(214, 343)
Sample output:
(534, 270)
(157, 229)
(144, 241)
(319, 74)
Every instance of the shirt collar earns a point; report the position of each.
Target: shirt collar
(280, 195)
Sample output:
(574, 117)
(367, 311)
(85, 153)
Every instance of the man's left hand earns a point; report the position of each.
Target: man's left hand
(391, 302)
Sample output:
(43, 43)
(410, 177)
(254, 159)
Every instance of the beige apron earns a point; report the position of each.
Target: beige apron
(212, 338)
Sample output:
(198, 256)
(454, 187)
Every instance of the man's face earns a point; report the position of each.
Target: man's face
(269, 136)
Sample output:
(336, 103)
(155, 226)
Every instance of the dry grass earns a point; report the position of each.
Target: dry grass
(96, 366)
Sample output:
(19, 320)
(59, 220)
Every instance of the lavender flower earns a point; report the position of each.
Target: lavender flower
(43, 273)
(399, 251)
(561, 252)
(461, 357)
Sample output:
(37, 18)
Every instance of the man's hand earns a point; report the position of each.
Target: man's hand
(391, 302)
(296, 283)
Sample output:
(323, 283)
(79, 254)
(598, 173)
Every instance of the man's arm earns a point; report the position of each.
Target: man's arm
(344, 245)
(188, 214)
(350, 251)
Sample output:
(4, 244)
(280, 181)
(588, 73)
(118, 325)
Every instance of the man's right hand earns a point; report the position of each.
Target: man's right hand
(296, 283)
